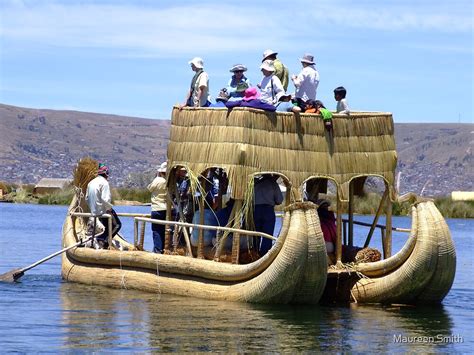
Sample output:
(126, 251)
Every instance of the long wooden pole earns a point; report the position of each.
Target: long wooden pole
(167, 226)
(236, 235)
(200, 251)
(388, 234)
(339, 232)
(376, 218)
(14, 275)
(351, 213)
(216, 228)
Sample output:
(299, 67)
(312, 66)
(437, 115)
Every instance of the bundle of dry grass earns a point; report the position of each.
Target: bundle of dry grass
(368, 255)
(85, 171)
(247, 141)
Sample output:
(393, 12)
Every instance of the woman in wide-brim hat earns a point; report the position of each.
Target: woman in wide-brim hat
(270, 87)
(238, 83)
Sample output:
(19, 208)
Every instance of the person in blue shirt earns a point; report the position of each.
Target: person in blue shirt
(267, 194)
(238, 83)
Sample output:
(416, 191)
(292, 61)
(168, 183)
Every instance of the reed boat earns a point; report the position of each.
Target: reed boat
(311, 162)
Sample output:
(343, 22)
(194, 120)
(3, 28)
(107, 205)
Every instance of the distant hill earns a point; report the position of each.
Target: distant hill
(48, 143)
(38, 143)
(436, 155)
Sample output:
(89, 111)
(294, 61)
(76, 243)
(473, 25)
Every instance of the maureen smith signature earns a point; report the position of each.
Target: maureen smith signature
(438, 338)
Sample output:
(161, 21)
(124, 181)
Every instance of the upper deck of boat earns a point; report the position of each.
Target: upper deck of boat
(246, 141)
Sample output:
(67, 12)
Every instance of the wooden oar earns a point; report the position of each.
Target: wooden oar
(14, 275)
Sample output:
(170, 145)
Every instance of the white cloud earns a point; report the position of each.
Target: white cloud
(453, 17)
(156, 30)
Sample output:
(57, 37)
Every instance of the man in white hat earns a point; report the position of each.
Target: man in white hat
(158, 207)
(270, 87)
(307, 81)
(281, 71)
(198, 94)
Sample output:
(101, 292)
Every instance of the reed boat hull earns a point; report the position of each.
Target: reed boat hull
(294, 271)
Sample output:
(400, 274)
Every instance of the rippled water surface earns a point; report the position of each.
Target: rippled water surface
(43, 314)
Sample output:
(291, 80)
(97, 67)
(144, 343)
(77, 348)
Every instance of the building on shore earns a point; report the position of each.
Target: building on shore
(51, 185)
(462, 195)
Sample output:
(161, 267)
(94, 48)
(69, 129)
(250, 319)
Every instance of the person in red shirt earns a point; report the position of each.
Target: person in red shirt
(328, 224)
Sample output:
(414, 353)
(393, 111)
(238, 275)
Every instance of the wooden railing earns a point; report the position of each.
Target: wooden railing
(139, 228)
(369, 236)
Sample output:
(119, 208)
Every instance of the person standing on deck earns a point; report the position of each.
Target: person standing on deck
(99, 200)
(281, 71)
(267, 194)
(198, 94)
(306, 82)
(158, 207)
(271, 88)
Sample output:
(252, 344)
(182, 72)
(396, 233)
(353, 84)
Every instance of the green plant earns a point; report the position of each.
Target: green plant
(57, 198)
(140, 195)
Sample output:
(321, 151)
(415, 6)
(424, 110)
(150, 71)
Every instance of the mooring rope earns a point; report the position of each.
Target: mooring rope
(122, 281)
(158, 281)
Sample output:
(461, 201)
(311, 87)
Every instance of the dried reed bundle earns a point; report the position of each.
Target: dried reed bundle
(247, 141)
(85, 171)
(368, 255)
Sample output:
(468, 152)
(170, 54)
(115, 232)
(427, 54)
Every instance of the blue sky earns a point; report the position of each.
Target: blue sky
(412, 58)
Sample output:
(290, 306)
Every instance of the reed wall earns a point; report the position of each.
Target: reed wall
(247, 141)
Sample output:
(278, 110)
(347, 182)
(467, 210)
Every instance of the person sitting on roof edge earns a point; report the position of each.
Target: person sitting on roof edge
(306, 82)
(221, 99)
(238, 83)
(251, 99)
(281, 71)
(340, 96)
(286, 105)
(325, 114)
(270, 87)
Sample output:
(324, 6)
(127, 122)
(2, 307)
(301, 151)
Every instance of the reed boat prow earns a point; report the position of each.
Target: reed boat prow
(427, 273)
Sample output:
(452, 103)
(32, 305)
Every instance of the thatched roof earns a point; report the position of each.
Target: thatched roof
(53, 183)
(247, 141)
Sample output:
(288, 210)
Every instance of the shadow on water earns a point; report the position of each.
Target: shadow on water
(107, 319)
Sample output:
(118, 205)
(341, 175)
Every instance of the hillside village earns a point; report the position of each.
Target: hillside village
(45, 143)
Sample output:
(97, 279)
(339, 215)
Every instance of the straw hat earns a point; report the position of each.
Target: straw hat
(238, 67)
(268, 53)
(198, 62)
(268, 65)
(307, 58)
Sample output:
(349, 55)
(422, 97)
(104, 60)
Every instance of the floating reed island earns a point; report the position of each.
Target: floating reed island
(310, 163)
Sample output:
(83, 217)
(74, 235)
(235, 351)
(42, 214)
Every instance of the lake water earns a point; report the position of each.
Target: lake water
(44, 314)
